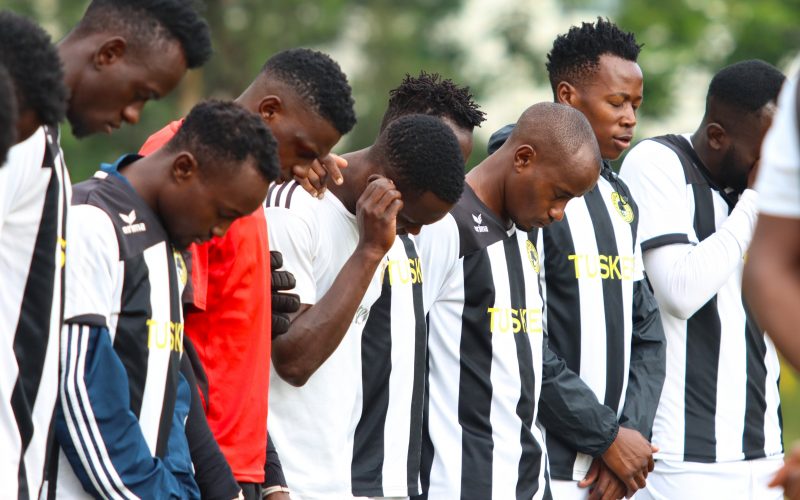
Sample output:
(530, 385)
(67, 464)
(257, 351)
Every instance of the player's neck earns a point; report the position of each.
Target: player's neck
(359, 168)
(145, 178)
(489, 186)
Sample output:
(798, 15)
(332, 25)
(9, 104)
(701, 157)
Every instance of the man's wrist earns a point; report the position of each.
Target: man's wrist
(273, 489)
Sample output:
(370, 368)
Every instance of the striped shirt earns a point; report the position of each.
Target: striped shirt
(485, 358)
(388, 435)
(720, 400)
(34, 195)
(591, 271)
(371, 388)
(313, 425)
(123, 400)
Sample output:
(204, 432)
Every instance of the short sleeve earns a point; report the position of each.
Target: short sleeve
(779, 175)
(654, 174)
(438, 246)
(92, 266)
(294, 233)
(23, 164)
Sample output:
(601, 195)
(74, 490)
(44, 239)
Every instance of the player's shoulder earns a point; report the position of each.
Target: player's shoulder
(92, 230)
(652, 156)
(290, 195)
(29, 153)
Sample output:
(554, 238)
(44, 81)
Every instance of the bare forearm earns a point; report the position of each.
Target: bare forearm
(318, 330)
(772, 289)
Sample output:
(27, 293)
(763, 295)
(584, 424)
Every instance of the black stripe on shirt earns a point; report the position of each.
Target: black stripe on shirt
(418, 388)
(753, 439)
(130, 338)
(612, 299)
(703, 335)
(475, 386)
(376, 367)
(173, 372)
(563, 320)
(427, 454)
(32, 334)
(530, 463)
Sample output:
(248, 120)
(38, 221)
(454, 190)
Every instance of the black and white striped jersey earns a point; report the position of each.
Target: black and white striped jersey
(34, 196)
(388, 437)
(591, 262)
(720, 400)
(121, 348)
(355, 428)
(485, 358)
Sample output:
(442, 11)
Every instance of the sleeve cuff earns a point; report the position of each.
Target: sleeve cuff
(664, 240)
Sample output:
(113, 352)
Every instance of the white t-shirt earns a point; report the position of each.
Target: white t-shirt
(313, 426)
(779, 176)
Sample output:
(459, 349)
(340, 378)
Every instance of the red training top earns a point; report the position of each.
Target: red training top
(230, 326)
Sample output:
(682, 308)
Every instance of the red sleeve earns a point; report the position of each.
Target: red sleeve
(160, 138)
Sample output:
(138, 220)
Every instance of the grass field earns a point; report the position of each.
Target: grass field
(790, 403)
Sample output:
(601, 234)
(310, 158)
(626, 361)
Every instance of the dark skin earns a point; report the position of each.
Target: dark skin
(305, 349)
(526, 186)
(305, 139)
(729, 143)
(609, 98)
(191, 203)
(110, 82)
(771, 285)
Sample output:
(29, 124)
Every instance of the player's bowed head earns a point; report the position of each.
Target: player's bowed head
(551, 157)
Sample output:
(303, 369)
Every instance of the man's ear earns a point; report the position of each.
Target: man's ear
(717, 136)
(110, 52)
(269, 107)
(524, 157)
(566, 93)
(184, 167)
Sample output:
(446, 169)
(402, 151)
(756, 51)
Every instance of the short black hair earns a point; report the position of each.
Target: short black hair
(8, 114)
(746, 86)
(576, 54)
(429, 94)
(319, 81)
(152, 20)
(423, 154)
(218, 132)
(34, 66)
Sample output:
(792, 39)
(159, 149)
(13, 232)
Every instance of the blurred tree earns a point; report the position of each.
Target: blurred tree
(681, 37)
(376, 42)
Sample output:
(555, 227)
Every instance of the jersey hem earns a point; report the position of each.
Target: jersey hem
(400, 491)
(743, 457)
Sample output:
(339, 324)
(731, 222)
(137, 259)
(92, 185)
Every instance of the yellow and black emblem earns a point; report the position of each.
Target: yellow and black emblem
(180, 265)
(623, 208)
(533, 255)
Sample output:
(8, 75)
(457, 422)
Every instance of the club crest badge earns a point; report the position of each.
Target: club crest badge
(623, 208)
(533, 256)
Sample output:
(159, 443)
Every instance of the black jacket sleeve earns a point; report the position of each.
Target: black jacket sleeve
(273, 473)
(648, 362)
(569, 409)
(212, 472)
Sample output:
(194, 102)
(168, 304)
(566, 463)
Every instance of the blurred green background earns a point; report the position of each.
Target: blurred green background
(497, 47)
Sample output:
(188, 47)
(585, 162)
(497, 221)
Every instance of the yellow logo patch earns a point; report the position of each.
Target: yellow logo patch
(180, 265)
(533, 256)
(623, 209)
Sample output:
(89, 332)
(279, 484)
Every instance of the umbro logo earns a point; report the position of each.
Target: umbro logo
(132, 226)
(479, 228)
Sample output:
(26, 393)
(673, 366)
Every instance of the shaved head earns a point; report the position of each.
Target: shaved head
(555, 131)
